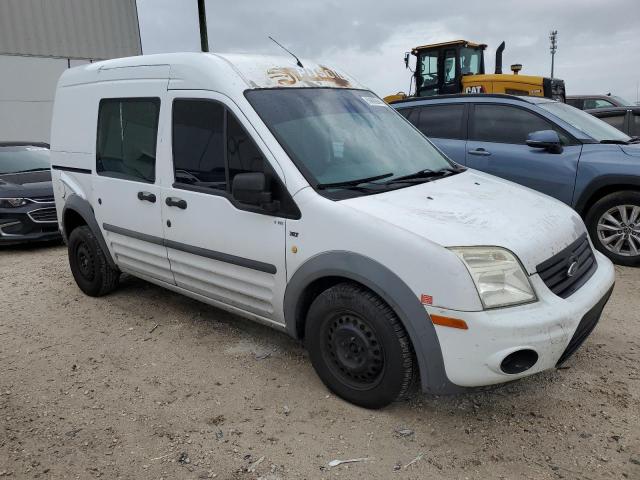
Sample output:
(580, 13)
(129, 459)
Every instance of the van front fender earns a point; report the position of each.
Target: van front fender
(388, 286)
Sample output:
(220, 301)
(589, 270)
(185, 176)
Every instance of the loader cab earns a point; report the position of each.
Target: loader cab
(440, 67)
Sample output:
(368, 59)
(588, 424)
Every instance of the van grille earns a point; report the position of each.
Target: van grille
(555, 273)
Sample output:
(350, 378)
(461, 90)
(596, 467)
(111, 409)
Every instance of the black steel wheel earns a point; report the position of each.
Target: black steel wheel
(352, 350)
(89, 266)
(359, 347)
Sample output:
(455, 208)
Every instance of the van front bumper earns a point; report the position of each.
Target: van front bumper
(552, 327)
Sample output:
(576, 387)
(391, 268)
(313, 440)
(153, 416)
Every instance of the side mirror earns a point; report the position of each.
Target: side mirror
(546, 139)
(253, 189)
(406, 59)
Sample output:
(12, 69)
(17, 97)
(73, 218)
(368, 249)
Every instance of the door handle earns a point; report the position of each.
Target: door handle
(479, 151)
(147, 197)
(176, 202)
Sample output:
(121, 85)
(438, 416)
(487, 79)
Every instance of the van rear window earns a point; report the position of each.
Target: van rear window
(127, 137)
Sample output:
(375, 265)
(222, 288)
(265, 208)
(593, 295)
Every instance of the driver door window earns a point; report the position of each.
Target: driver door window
(210, 147)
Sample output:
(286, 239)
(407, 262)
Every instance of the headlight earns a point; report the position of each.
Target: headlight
(13, 202)
(499, 277)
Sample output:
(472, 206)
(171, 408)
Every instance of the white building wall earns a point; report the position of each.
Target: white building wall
(39, 39)
(26, 96)
(88, 29)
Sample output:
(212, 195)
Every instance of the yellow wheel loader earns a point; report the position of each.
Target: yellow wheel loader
(458, 67)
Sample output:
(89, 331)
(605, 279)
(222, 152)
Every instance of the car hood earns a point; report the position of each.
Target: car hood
(26, 183)
(633, 149)
(476, 209)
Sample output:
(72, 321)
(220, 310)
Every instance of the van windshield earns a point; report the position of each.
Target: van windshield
(341, 135)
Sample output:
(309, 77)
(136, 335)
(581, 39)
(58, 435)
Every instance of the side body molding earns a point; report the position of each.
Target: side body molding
(392, 290)
(83, 208)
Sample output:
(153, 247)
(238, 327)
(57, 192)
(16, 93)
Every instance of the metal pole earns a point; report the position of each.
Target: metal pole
(553, 36)
(202, 17)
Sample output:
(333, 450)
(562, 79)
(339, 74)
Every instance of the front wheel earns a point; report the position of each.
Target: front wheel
(614, 226)
(359, 347)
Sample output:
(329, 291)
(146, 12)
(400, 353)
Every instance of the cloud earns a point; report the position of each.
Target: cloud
(597, 50)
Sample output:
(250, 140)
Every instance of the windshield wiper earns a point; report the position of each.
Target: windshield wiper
(352, 183)
(426, 174)
(634, 140)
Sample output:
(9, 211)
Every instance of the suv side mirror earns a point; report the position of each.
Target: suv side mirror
(406, 59)
(547, 139)
(252, 188)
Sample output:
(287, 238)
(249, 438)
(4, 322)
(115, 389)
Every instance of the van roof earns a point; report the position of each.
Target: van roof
(207, 70)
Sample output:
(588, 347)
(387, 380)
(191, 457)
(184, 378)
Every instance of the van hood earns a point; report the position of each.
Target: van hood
(477, 209)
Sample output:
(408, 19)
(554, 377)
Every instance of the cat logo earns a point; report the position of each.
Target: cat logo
(474, 89)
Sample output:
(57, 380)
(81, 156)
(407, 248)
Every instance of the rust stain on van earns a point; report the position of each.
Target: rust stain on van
(288, 76)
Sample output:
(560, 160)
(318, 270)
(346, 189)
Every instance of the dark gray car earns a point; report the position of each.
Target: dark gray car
(587, 102)
(27, 209)
(625, 119)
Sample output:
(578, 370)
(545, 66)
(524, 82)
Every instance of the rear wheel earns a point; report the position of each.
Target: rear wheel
(614, 226)
(88, 263)
(358, 346)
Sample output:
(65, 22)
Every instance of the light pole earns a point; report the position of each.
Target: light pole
(553, 36)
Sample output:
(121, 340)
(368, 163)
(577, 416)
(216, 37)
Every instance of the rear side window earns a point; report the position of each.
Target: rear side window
(127, 137)
(616, 121)
(635, 125)
(505, 124)
(442, 121)
(198, 143)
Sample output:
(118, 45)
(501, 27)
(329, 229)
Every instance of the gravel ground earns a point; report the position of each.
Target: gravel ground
(145, 383)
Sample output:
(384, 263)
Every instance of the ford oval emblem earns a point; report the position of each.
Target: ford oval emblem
(573, 268)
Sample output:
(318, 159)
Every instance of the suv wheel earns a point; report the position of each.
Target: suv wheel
(614, 226)
(358, 346)
(89, 266)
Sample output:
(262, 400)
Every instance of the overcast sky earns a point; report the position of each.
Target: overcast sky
(597, 40)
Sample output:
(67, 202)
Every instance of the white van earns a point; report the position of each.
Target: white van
(297, 198)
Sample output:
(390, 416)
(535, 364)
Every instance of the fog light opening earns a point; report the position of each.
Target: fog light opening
(519, 361)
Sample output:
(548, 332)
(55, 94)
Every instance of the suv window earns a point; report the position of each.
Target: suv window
(441, 121)
(616, 121)
(635, 125)
(127, 136)
(505, 124)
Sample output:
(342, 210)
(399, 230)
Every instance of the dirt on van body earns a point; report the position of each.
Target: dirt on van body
(145, 383)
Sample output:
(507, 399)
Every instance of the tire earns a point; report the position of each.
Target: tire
(88, 263)
(605, 221)
(359, 347)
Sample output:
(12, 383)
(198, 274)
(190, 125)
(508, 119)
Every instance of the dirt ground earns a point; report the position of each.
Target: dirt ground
(145, 383)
